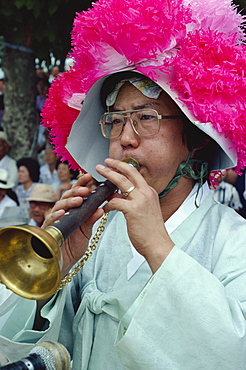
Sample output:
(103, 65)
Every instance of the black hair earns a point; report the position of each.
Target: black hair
(203, 145)
(11, 193)
(32, 166)
(110, 83)
(74, 173)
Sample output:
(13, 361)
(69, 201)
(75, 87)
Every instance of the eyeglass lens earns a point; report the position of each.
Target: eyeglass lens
(145, 122)
(41, 205)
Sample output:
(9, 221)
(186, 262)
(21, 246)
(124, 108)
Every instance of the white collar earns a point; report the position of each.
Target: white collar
(185, 209)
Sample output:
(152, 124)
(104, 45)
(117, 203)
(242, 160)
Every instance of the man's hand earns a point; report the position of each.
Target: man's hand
(76, 244)
(141, 208)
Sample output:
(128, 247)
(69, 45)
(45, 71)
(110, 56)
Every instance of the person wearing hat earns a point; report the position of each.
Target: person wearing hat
(6, 162)
(41, 201)
(162, 82)
(5, 199)
(28, 177)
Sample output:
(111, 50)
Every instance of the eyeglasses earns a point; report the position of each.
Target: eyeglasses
(145, 122)
(41, 205)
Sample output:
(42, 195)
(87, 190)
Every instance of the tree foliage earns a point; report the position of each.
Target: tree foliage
(30, 29)
(242, 5)
(43, 26)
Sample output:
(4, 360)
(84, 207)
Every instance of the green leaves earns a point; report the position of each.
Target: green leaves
(43, 25)
(19, 3)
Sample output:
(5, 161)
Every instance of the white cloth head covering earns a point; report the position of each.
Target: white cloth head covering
(92, 148)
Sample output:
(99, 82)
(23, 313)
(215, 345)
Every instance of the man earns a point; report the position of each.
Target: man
(164, 287)
(226, 193)
(6, 162)
(41, 201)
(48, 171)
(55, 70)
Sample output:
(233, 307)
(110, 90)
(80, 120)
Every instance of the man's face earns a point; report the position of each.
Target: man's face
(23, 175)
(160, 155)
(64, 173)
(50, 156)
(55, 70)
(39, 210)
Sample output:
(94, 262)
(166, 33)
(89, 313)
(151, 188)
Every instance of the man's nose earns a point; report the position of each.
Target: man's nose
(128, 135)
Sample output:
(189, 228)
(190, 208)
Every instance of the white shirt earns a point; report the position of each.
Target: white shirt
(9, 164)
(47, 177)
(6, 202)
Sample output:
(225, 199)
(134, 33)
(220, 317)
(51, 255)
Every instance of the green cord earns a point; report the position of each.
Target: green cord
(197, 172)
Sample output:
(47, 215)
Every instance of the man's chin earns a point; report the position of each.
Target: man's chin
(38, 221)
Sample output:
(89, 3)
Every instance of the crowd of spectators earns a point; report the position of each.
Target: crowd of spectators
(30, 186)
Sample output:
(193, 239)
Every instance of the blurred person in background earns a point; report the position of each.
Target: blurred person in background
(239, 182)
(226, 193)
(41, 201)
(6, 162)
(48, 171)
(241, 188)
(5, 185)
(55, 70)
(67, 177)
(28, 177)
(42, 90)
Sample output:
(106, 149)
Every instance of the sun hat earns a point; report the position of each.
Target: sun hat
(42, 193)
(4, 184)
(14, 216)
(194, 50)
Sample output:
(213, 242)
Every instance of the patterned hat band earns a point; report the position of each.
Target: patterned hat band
(146, 86)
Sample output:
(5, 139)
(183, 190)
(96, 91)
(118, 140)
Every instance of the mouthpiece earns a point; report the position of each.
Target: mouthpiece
(133, 162)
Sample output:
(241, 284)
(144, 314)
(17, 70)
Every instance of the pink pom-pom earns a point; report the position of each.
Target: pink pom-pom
(215, 177)
(115, 34)
(58, 116)
(221, 16)
(210, 77)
